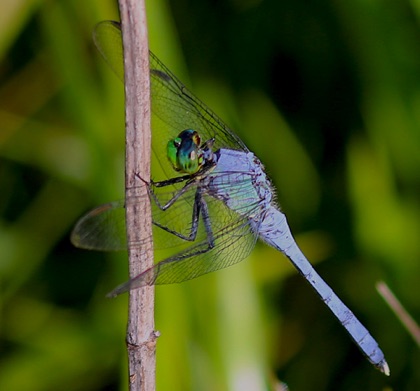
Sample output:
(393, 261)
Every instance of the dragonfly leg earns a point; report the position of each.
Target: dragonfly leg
(194, 221)
(173, 199)
(171, 181)
(164, 183)
(206, 220)
(167, 182)
(200, 206)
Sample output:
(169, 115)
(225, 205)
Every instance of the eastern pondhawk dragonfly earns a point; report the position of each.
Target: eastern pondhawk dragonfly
(215, 202)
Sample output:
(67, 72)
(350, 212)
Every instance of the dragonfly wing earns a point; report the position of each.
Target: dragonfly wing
(175, 108)
(180, 109)
(102, 229)
(108, 40)
(233, 243)
(232, 237)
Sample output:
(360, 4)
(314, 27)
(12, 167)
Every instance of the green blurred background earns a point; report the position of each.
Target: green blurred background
(326, 93)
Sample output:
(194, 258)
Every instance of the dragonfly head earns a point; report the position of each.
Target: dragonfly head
(185, 152)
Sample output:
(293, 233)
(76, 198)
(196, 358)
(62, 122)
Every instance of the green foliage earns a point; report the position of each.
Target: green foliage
(326, 94)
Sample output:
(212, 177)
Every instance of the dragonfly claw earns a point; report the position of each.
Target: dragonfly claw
(147, 183)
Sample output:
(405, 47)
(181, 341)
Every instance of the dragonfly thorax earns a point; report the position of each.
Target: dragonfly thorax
(186, 153)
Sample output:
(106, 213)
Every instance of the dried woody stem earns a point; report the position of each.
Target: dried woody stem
(141, 338)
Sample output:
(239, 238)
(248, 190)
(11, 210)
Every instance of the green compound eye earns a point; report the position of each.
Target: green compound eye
(172, 152)
(184, 152)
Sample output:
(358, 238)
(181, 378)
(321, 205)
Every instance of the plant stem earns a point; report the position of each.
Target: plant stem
(141, 337)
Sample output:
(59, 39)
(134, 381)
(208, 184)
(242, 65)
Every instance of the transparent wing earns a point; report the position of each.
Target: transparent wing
(233, 237)
(102, 229)
(233, 242)
(179, 109)
(233, 234)
(174, 107)
(107, 38)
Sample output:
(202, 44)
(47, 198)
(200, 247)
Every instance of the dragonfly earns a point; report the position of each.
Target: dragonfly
(214, 203)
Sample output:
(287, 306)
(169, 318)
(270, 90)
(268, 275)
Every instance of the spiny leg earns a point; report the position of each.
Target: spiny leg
(200, 206)
(174, 198)
(206, 219)
(165, 183)
(194, 220)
